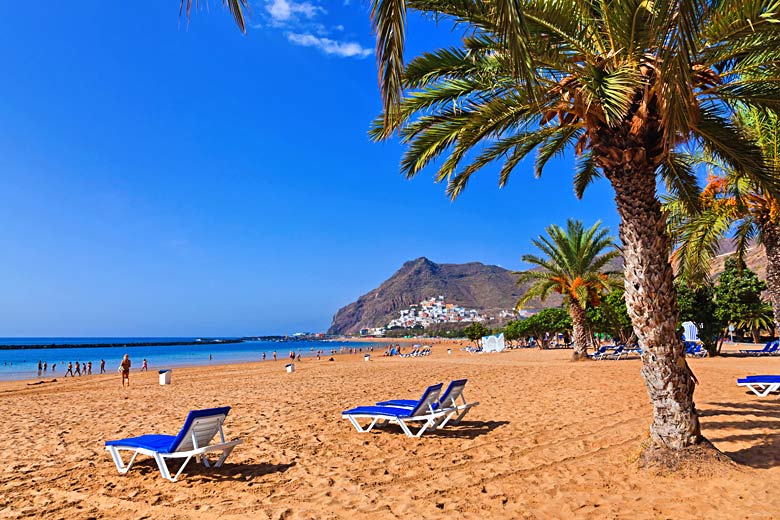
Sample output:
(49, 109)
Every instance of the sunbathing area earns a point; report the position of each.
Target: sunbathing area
(548, 438)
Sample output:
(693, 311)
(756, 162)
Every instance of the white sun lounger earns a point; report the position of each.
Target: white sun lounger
(422, 412)
(193, 440)
(451, 401)
(762, 386)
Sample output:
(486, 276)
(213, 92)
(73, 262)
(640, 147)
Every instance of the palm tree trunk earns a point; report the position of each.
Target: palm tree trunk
(579, 321)
(771, 238)
(651, 300)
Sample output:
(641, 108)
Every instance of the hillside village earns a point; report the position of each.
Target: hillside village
(436, 311)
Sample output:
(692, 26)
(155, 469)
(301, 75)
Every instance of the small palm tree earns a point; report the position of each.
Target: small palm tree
(759, 319)
(236, 8)
(574, 267)
(625, 85)
(729, 202)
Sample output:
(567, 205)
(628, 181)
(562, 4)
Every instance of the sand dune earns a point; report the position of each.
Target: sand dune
(550, 439)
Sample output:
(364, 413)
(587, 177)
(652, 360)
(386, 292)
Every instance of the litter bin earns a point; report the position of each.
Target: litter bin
(290, 368)
(165, 376)
(449, 351)
(367, 357)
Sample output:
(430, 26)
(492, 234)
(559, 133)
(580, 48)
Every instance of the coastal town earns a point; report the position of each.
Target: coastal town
(436, 311)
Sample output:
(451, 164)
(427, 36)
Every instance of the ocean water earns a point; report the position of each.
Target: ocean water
(18, 364)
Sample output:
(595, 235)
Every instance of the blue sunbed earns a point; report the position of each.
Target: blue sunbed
(448, 400)
(424, 411)
(761, 385)
(200, 427)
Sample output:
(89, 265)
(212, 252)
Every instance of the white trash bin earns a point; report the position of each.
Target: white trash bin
(165, 376)
(367, 357)
(290, 368)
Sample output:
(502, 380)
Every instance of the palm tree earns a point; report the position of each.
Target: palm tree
(573, 268)
(731, 201)
(625, 84)
(759, 319)
(236, 8)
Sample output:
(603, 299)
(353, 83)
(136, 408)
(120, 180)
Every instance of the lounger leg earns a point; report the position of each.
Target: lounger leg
(120, 466)
(186, 461)
(164, 467)
(359, 428)
(405, 428)
(225, 454)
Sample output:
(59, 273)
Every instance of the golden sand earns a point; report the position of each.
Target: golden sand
(550, 439)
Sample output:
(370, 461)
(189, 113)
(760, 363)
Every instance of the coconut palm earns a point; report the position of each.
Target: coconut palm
(574, 267)
(236, 8)
(732, 202)
(625, 84)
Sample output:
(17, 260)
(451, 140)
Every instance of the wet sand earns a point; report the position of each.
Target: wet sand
(550, 439)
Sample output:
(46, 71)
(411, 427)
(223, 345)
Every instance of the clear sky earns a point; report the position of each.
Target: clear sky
(160, 178)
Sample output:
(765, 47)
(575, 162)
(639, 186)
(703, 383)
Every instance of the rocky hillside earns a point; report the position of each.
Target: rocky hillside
(472, 285)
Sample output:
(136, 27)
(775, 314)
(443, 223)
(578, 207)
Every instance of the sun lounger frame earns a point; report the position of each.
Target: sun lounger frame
(201, 430)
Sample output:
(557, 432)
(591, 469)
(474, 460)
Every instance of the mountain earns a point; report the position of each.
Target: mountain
(472, 285)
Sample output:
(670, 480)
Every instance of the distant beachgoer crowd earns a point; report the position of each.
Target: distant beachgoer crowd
(80, 368)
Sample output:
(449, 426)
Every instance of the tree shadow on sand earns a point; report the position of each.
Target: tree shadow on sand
(764, 449)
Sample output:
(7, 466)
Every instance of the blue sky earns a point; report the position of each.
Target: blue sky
(160, 177)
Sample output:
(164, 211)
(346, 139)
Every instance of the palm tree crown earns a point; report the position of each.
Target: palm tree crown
(574, 265)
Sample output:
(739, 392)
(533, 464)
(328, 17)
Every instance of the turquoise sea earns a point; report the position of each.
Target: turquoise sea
(23, 363)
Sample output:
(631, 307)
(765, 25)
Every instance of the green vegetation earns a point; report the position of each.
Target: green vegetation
(738, 297)
(475, 331)
(573, 266)
(551, 320)
(697, 305)
(610, 316)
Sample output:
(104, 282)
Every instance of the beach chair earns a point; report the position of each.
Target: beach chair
(601, 352)
(193, 440)
(762, 386)
(423, 411)
(451, 401)
(769, 349)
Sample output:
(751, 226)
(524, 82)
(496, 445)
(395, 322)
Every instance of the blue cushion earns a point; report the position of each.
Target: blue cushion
(160, 443)
(759, 379)
(389, 411)
(168, 443)
(399, 402)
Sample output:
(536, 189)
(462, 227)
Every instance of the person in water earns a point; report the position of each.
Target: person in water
(145, 367)
(78, 369)
(70, 370)
(124, 367)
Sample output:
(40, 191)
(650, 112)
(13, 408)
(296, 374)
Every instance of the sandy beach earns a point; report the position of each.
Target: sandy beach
(550, 439)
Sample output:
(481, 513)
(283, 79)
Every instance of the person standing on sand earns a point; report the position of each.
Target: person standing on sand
(263, 356)
(292, 355)
(89, 368)
(78, 369)
(124, 367)
(145, 367)
(274, 355)
(69, 371)
(299, 357)
(102, 366)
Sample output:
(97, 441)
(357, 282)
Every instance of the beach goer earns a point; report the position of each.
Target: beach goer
(263, 356)
(292, 355)
(45, 366)
(89, 368)
(69, 371)
(145, 367)
(299, 357)
(274, 355)
(78, 369)
(40, 367)
(124, 367)
(210, 358)
(53, 367)
(102, 366)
